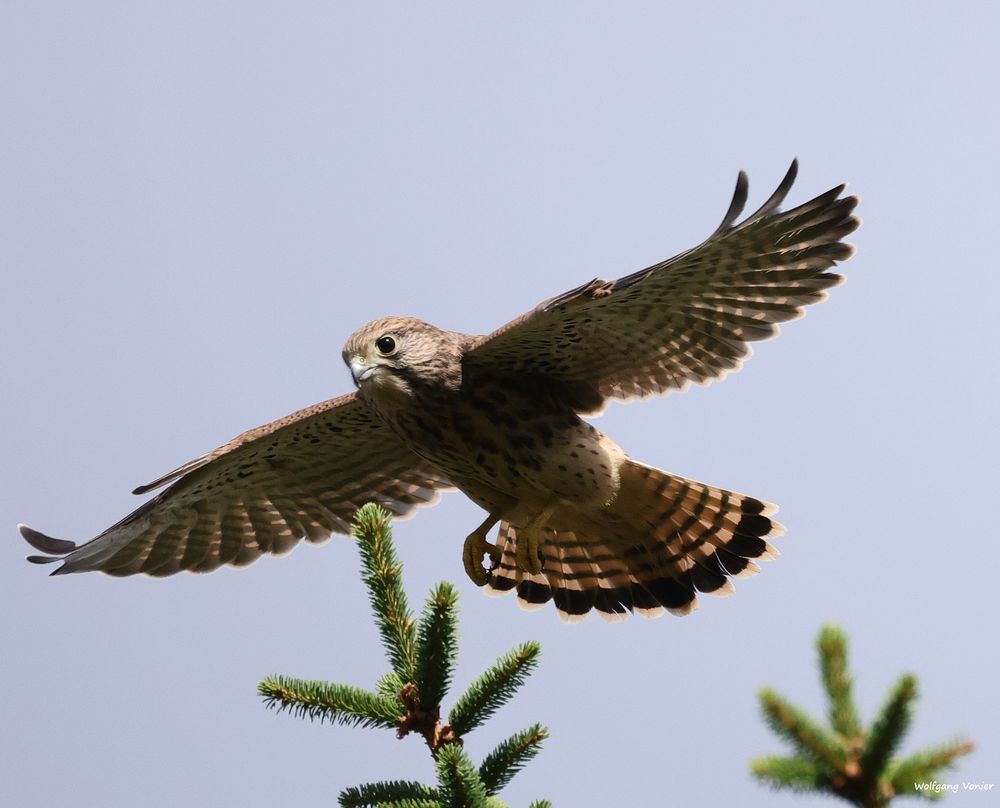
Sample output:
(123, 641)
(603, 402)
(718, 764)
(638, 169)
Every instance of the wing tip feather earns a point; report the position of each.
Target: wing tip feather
(47, 544)
(740, 195)
(37, 559)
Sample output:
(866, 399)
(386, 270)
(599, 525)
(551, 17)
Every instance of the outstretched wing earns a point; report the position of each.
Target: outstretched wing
(301, 477)
(685, 319)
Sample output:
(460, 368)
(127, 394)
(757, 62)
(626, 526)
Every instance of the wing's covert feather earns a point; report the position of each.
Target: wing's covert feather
(301, 477)
(686, 319)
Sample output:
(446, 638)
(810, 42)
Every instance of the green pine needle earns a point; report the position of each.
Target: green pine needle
(371, 795)
(540, 804)
(411, 804)
(805, 735)
(460, 786)
(437, 645)
(792, 773)
(890, 725)
(837, 681)
(852, 763)
(494, 688)
(925, 766)
(407, 699)
(326, 701)
(500, 765)
(389, 685)
(382, 573)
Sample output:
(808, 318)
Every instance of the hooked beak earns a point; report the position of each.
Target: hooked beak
(360, 369)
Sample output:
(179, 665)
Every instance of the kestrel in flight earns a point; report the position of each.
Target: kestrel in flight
(499, 418)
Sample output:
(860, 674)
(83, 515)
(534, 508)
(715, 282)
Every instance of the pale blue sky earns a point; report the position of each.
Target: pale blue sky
(201, 201)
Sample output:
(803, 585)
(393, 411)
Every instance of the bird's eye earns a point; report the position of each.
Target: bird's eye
(385, 345)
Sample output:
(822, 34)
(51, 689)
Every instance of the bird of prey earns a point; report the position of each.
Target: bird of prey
(499, 418)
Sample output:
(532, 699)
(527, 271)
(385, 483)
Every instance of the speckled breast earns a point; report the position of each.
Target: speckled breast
(499, 440)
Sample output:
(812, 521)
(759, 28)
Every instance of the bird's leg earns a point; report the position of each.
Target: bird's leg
(474, 547)
(529, 541)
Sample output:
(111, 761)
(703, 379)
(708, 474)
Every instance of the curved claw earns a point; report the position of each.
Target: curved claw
(529, 558)
(475, 547)
(529, 541)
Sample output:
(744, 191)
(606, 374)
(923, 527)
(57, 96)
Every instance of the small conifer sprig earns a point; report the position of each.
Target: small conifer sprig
(422, 654)
(845, 759)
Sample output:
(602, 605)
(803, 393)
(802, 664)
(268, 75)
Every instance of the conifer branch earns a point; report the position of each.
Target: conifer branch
(460, 783)
(389, 685)
(375, 795)
(425, 722)
(540, 804)
(795, 726)
(500, 765)
(326, 701)
(382, 574)
(925, 766)
(837, 682)
(494, 688)
(795, 774)
(853, 763)
(408, 697)
(437, 645)
(890, 725)
(410, 804)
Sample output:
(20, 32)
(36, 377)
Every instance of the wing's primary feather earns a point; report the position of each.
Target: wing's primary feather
(686, 319)
(264, 491)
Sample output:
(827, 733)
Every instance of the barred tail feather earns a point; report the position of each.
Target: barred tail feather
(666, 539)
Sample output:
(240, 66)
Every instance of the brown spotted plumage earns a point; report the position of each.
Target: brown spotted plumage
(301, 477)
(498, 417)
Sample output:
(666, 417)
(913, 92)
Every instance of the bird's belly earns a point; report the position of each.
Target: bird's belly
(518, 464)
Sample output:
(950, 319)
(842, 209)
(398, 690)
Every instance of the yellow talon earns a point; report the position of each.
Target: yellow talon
(528, 545)
(475, 547)
(529, 541)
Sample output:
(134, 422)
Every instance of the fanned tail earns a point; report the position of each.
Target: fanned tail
(667, 539)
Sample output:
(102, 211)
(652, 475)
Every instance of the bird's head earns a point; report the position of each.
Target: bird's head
(398, 354)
